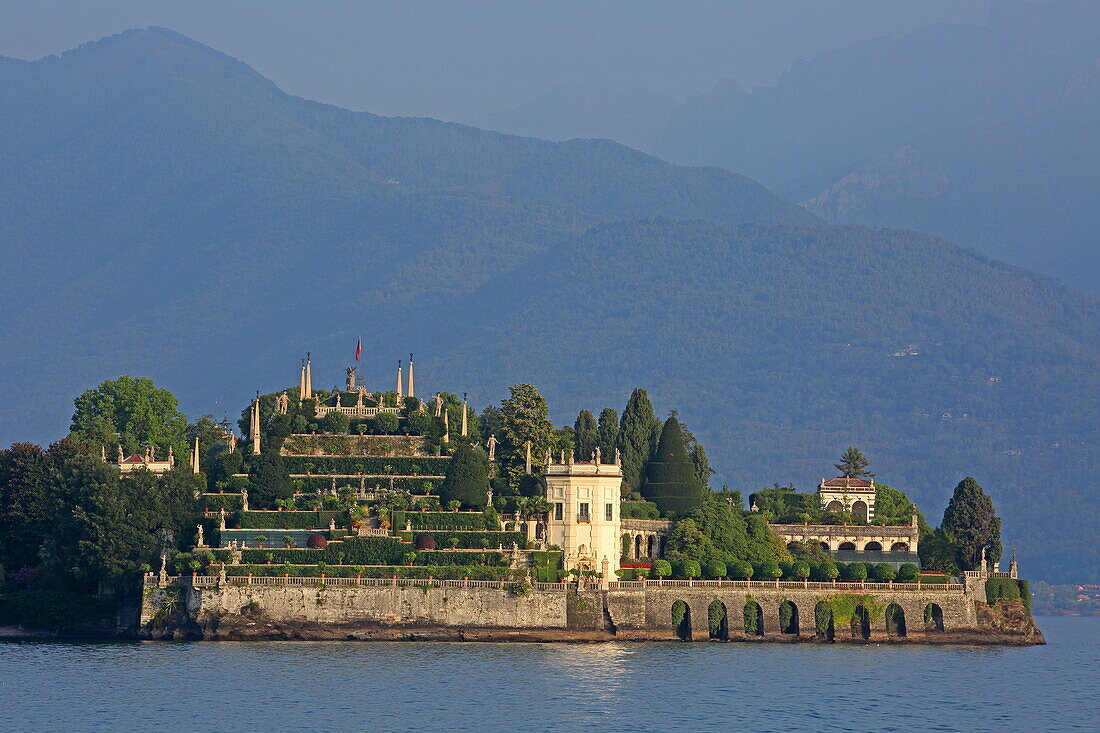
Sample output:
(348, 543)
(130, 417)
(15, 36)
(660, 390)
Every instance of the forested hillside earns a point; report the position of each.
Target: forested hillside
(170, 213)
(984, 135)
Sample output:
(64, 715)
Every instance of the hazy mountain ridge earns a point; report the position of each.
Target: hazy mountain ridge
(207, 230)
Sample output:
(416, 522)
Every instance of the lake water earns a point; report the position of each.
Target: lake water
(322, 686)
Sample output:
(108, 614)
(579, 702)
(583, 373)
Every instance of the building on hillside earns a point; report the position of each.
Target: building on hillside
(848, 494)
(148, 461)
(851, 543)
(585, 520)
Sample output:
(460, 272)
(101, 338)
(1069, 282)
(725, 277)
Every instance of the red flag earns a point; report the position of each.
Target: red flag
(358, 348)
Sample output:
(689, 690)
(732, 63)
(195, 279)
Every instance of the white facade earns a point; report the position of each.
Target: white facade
(585, 520)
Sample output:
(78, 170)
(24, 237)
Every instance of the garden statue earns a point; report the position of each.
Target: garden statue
(332, 524)
(351, 379)
(489, 498)
(618, 457)
(492, 446)
(282, 403)
(597, 455)
(244, 499)
(201, 543)
(438, 404)
(221, 519)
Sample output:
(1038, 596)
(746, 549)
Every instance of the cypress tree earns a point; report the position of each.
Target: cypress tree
(636, 431)
(607, 433)
(670, 477)
(467, 478)
(584, 435)
(973, 524)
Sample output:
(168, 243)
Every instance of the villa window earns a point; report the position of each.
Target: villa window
(582, 512)
(608, 512)
(559, 511)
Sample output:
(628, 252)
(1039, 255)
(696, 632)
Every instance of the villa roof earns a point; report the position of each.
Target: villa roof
(135, 459)
(847, 482)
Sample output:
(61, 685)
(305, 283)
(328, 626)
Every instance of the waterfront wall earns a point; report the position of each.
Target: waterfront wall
(373, 608)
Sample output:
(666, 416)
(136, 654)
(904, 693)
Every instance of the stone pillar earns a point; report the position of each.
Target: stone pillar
(307, 393)
(400, 389)
(412, 388)
(527, 468)
(463, 414)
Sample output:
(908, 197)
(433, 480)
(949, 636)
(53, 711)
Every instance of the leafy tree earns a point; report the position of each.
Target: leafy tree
(131, 411)
(661, 568)
(893, 507)
(687, 542)
(883, 571)
(908, 572)
(828, 571)
(338, 423)
(467, 479)
(809, 551)
(768, 570)
(523, 421)
(585, 435)
(607, 433)
(690, 569)
(490, 421)
(636, 437)
(671, 481)
(855, 571)
(385, 423)
(268, 479)
(24, 504)
(973, 524)
(939, 551)
(698, 455)
(853, 464)
(800, 570)
(716, 569)
(741, 569)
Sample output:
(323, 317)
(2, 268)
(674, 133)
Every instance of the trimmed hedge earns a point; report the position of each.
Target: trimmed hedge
(472, 540)
(214, 502)
(411, 484)
(442, 557)
(369, 465)
(447, 572)
(639, 510)
(1025, 593)
(460, 521)
(288, 520)
(998, 588)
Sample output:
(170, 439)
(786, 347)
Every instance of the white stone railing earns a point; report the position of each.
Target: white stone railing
(207, 581)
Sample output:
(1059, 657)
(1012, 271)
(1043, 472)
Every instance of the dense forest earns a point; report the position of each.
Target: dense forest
(158, 188)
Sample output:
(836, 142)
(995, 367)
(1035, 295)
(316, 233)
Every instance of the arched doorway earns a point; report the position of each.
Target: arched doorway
(637, 546)
(717, 620)
(823, 621)
(834, 506)
(899, 547)
(861, 623)
(681, 620)
(872, 547)
(847, 546)
(895, 620)
(653, 545)
(859, 508)
(825, 546)
(754, 618)
(933, 618)
(788, 618)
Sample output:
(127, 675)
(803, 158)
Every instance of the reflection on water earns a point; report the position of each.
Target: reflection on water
(274, 686)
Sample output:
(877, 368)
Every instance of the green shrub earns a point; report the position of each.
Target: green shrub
(741, 569)
(214, 502)
(716, 569)
(639, 510)
(1025, 593)
(369, 465)
(472, 540)
(908, 573)
(767, 570)
(884, 572)
(662, 568)
(690, 569)
(468, 521)
(801, 570)
(828, 572)
(998, 588)
(289, 520)
(855, 571)
(335, 422)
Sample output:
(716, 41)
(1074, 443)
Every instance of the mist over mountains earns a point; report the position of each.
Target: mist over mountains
(171, 213)
(980, 134)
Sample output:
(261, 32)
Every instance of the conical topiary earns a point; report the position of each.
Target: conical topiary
(670, 477)
(467, 479)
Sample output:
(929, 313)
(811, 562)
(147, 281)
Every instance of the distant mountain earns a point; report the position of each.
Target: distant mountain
(1022, 185)
(170, 213)
(1003, 116)
(631, 117)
